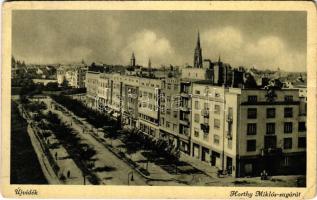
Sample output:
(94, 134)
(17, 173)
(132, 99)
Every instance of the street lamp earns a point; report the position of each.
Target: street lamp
(130, 173)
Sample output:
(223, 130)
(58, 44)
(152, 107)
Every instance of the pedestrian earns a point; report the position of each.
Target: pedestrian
(68, 174)
(55, 155)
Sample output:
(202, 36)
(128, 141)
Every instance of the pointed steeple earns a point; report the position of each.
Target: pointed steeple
(132, 61)
(149, 65)
(198, 60)
(198, 40)
(133, 57)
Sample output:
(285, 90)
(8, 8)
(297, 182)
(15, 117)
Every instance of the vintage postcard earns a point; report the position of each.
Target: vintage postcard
(149, 99)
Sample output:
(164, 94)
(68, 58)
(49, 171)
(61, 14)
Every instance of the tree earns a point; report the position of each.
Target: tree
(64, 83)
(250, 81)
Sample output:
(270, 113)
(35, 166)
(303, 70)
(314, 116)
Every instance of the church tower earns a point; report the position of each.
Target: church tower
(198, 60)
(132, 60)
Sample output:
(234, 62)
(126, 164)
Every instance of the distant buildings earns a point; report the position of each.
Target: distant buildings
(72, 75)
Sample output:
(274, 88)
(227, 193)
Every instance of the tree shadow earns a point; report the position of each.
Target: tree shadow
(104, 169)
(54, 145)
(64, 157)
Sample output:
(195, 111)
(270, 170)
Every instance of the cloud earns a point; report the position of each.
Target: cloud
(147, 44)
(237, 49)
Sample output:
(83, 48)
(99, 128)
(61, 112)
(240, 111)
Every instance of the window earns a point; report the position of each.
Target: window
(216, 139)
(205, 136)
(168, 111)
(270, 113)
(252, 98)
(217, 109)
(270, 128)
(206, 106)
(288, 127)
(229, 144)
(162, 121)
(270, 141)
(301, 142)
(175, 87)
(287, 143)
(288, 98)
(196, 118)
(175, 114)
(288, 112)
(196, 132)
(168, 124)
(251, 145)
(301, 126)
(197, 92)
(168, 99)
(251, 113)
(216, 123)
(251, 130)
(230, 112)
(174, 127)
(196, 105)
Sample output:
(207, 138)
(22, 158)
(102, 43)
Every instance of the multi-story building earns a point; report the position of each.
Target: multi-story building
(73, 75)
(149, 104)
(246, 131)
(169, 110)
(115, 103)
(103, 91)
(130, 94)
(92, 85)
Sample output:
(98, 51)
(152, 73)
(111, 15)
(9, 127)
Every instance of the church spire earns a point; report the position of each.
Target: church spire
(132, 61)
(198, 60)
(149, 65)
(198, 39)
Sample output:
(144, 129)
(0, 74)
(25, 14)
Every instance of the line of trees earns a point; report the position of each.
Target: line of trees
(134, 140)
(93, 117)
(80, 152)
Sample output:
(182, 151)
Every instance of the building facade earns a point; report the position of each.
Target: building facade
(244, 132)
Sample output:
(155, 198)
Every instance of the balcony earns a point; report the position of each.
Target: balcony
(229, 132)
(184, 94)
(205, 127)
(184, 121)
(271, 151)
(205, 113)
(184, 108)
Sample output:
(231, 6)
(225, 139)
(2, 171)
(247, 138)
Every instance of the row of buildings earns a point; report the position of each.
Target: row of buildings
(72, 75)
(213, 112)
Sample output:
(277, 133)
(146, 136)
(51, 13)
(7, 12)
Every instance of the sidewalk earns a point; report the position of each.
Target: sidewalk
(45, 165)
(205, 167)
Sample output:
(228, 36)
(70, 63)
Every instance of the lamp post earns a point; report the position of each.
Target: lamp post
(84, 176)
(132, 179)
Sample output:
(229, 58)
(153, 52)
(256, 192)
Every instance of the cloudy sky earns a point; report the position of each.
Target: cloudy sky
(260, 39)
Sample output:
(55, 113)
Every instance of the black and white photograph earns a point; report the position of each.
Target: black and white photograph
(209, 98)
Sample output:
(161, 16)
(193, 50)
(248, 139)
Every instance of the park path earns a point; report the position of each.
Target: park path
(64, 161)
(66, 164)
(39, 151)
